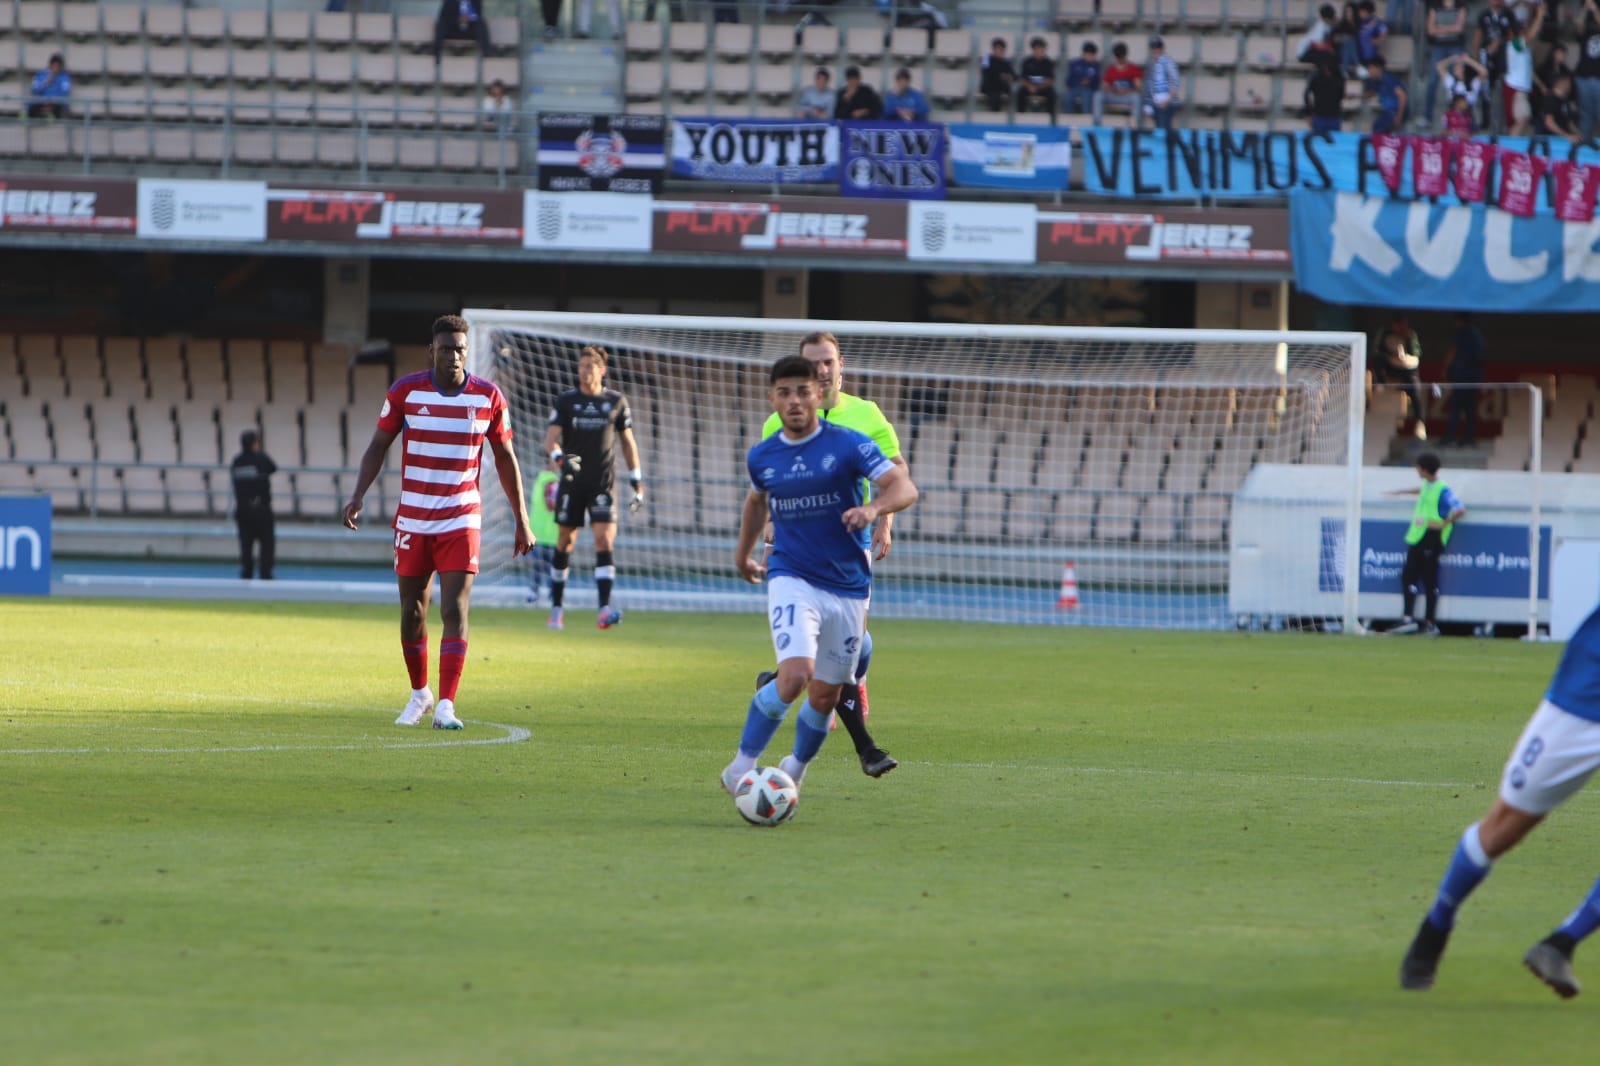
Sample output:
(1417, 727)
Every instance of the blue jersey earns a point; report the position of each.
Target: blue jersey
(1576, 686)
(1449, 502)
(810, 484)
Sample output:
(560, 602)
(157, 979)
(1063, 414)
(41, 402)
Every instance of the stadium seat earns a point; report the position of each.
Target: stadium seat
(333, 30)
(820, 44)
(1116, 14)
(206, 25)
(79, 22)
(908, 45)
(290, 28)
(163, 24)
(1264, 52)
(775, 42)
(733, 41)
(687, 40)
(247, 27)
(374, 30)
(1219, 51)
(1246, 13)
(953, 47)
(37, 18)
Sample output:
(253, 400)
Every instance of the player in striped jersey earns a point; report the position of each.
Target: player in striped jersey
(445, 417)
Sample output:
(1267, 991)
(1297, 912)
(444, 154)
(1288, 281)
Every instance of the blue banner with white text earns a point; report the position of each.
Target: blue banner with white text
(24, 545)
(1480, 560)
(891, 160)
(1354, 249)
(1026, 158)
(1188, 164)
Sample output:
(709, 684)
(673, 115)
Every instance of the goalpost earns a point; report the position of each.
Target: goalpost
(1069, 475)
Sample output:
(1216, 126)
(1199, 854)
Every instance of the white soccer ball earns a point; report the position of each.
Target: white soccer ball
(766, 796)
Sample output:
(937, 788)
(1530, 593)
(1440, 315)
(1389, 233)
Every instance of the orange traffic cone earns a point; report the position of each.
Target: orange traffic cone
(1069, 587)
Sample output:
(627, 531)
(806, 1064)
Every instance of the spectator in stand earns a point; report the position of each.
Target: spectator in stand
(1124, 84)
(998, 77)
(1464, 366)
(460, 20)
(50, 91)
(1464, 81)
(1399, 363)
(1559, 115)
(1447, 37)
(1370, 32)
(499, 111)
(1163, 85)
(614, 11)
(1037, 91)
(1390, 92)
(1083, 81)
(1517, 89)
(905, 103)
(1321, 37)
(551, 10)
(817, 101)
(1587, 79)
(1345, 37)
(1325, 93)
(1545, 74)
(1495, 27)
(857, 99)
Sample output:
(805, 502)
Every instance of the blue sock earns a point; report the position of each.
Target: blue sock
(865, 658)
(1586, 919)
(1468, 867)
(766, 714)
(810, 730)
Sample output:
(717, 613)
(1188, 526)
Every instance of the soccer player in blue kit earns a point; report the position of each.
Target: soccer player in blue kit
(819, 574)
(1558, 752)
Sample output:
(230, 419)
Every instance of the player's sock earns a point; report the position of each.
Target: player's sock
(865, 658)
(848, 710)
(604, 574)
(1468, 867)
(1580, 923)
(416, 654)
(452, 657)
(767, 710)
(558, 577)
(810, 730)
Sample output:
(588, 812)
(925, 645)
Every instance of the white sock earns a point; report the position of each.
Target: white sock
(742, 764)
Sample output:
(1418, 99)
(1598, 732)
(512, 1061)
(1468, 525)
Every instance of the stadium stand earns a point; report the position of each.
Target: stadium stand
(210, 87)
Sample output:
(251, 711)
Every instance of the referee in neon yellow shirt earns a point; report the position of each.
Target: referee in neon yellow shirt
(864, 416)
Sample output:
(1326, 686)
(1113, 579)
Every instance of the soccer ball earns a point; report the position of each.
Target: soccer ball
(766, 796)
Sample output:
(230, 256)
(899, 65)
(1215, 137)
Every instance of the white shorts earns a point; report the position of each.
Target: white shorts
(1555, 757)
(812, 623)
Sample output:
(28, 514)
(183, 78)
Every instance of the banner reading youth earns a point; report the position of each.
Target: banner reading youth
(1357, 249)
(756, 151)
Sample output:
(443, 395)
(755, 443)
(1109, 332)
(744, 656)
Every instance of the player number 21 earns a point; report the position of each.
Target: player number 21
(777, 616)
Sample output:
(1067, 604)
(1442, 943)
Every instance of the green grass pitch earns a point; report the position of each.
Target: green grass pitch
(1101, 847)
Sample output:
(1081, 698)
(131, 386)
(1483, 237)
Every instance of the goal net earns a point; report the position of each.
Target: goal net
(1068, 476)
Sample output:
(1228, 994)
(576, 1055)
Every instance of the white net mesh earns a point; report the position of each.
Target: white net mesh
(1108, 456)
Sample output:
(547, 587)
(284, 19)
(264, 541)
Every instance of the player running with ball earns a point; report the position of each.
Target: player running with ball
(810, 478)
(837, 406)
(445, 415)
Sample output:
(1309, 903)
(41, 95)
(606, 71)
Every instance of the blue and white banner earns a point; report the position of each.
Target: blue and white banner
(24, 545)
(1480, 560)
(1354, 249)
(1029, 158)
(1186, 164)
(896, 160)
(758, 151)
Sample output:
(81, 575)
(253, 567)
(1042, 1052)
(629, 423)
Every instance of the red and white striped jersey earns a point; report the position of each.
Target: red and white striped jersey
(442, 449)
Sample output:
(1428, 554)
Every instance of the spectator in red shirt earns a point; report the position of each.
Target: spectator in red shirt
(1124, 82)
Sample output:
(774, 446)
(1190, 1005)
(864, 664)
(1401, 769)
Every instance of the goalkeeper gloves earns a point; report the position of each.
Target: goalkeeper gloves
(571, 466)
(636, 504)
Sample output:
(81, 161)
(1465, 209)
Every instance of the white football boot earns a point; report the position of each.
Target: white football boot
(421, 703)
(444, 715)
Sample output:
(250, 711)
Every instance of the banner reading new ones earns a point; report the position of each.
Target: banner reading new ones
(755, 151)
(891, 160)
(1355, 249)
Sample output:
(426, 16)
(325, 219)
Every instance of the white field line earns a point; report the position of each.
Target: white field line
(516, 734)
